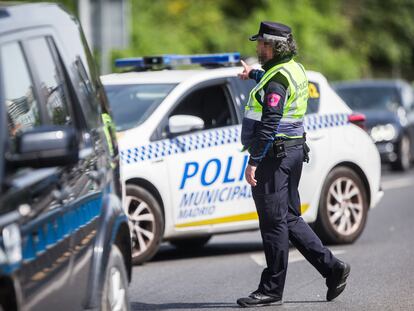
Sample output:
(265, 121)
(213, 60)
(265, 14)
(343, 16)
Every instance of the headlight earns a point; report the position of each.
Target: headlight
(385, 132)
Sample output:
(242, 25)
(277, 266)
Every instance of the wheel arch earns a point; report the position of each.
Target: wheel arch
(123, 242)
(150, 188)
(361, 174)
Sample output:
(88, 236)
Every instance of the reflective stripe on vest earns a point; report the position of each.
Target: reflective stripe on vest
(297, 92)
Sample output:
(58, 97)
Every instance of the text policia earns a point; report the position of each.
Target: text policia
(216, 181)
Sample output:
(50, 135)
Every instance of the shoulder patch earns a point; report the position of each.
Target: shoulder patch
(273, 99)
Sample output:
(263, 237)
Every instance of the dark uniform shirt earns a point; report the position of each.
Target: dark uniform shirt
(275, 96)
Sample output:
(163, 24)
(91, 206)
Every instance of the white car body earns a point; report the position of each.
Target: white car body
(200, 175)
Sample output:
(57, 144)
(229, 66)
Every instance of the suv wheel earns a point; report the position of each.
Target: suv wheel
(190, 243)
(115, 290)
(342, 208)
(146, 223)
(404, 155)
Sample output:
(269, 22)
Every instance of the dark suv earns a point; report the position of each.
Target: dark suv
(64, 238)
(389, 109)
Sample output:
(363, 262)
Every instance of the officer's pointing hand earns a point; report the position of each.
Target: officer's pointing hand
(246, 70)
(250, 175)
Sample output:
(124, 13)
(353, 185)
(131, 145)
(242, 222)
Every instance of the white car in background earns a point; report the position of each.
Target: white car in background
(179, 140)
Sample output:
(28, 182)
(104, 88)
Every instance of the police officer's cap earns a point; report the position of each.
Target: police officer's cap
(272, 32)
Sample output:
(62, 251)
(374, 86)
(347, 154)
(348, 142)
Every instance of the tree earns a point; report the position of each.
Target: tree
(385, 32)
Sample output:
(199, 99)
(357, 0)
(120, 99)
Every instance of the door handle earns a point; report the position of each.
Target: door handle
(97, 175)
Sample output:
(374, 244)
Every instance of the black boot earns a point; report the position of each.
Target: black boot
(258, 299)
(336, 282)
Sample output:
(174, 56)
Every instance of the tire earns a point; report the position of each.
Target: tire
(342, 211)
(403, 161)
(191, 243)
(146, 223)
(115, 289)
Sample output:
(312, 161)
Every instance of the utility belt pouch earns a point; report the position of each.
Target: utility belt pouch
(279, 149)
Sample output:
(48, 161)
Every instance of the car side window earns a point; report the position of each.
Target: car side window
(21, 104)
(212, 104)
(88, 93)
(242, 93)
(314, 98)
(51, 81)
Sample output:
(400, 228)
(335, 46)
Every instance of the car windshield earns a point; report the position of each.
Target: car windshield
(368, 98)
(132, 104)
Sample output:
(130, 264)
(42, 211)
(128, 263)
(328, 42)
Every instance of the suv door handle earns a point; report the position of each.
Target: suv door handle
(64, 194)
(97, 175)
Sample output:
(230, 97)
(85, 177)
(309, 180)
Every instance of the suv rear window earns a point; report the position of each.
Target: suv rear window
(133, 104)
(370, 97)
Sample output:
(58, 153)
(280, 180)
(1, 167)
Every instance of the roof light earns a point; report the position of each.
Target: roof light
(171, 60)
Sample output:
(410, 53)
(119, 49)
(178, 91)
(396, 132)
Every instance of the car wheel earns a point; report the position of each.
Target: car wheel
(146, 223)
(191, 243)
(343, 207)
(115, 289)
(404, 155)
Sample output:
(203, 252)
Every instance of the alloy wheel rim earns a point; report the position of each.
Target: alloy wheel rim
(141, 224)
(345, 206)
(116, 293)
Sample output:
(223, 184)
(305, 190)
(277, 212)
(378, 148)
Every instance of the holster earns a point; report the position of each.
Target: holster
(278, 149)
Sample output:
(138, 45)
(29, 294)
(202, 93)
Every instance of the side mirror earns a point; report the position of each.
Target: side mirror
(45, 146)
(184, 123)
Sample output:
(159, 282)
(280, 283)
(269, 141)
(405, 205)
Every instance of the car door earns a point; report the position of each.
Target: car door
(206, 167)
(42, 269)
(318, 142)
(82, 184)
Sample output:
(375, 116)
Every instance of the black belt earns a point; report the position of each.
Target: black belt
(279, 146)
(294, 142)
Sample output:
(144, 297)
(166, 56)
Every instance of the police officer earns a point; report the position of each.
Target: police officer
(273, 134)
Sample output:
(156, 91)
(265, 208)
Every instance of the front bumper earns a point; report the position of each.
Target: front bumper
(377, 198)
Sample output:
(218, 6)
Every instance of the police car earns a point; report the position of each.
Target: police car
(183, 164)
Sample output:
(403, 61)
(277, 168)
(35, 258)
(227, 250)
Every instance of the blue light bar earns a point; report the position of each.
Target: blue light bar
(129, 62)
(179, 60)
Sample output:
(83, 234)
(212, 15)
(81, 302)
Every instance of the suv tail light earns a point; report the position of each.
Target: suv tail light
(358, 119)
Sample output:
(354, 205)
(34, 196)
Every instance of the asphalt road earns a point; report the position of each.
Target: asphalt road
(382, 261)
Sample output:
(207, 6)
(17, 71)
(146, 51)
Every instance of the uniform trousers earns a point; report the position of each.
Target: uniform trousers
(278, 205)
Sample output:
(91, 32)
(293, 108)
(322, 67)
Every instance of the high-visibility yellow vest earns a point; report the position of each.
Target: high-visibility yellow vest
(108, 127)
(297, 94)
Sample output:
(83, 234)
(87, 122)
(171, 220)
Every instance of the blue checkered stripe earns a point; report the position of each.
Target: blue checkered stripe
(218, 137)
(316, 122)
(182, 144)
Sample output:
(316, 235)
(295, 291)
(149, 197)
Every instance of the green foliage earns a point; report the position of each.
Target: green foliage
(190, 26)
(386, 30)
(344, 39)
